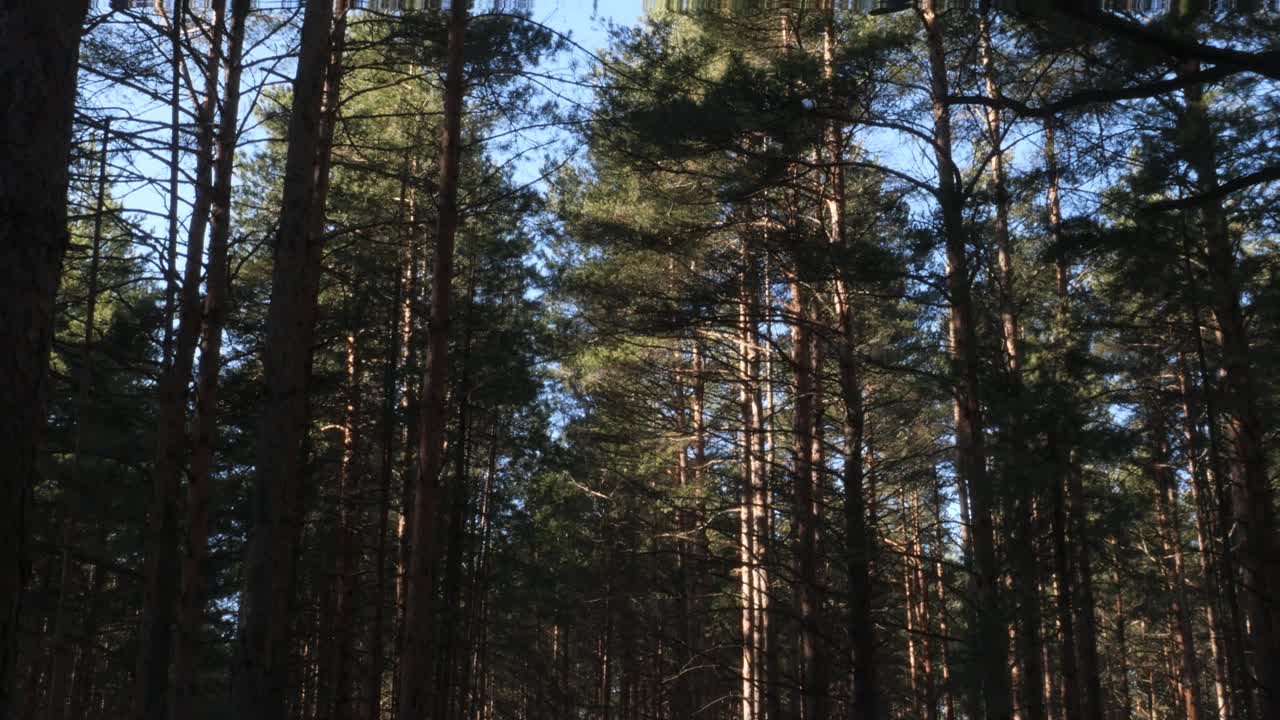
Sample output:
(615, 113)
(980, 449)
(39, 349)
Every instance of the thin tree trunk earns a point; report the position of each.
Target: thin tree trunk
(1205, 539)
(944, 633)
(924, 622)
(1235, 640)
(60, 676)
(991, 642)
(160, 589)
(813, 689)
(411, 277)
(748, 540)
(909, 615)
(1122, 655)
(477, 593)
(82, 682)
(1018, 465)
(160, 593)
(186, 687)
(415, 701)
(867, 703)
(1082, 688)
(388, 434)
(347, 596)
(1170, 526)
(458, 504)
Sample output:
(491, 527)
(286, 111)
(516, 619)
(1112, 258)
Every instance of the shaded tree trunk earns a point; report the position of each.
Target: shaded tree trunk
(1243, 429)
(1206, 537)
(1170, 529)
(60, 676)
(347, 597)
(415, 663)
(261, 667)
(204, 432)
(458, 513)
(38, 63)
(990, 637)
(1018, 464)
(160, 590)
(806, 473)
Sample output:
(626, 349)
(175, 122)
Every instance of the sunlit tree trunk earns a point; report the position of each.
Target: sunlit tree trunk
(753, 478)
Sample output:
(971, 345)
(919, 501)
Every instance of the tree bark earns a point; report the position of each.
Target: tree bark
(347, 554)
(60, 677)
(160, 594)
(749, 538)
(1022, 534)
(261, 667)
(990, 639)
(204, 432)
(459, 503)
(805, 473)
(867, 703)
(38, 83)
(1243, 429)
(415, 700)
(1170, 527)
(1206, 539)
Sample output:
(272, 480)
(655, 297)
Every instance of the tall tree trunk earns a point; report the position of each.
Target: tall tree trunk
(477, 596)
(1123, 689)
(1206, 538)
(1082, 690)
(991, 642)
(1251, 492)
(1235, 640)
(929, 689)
(82, 682)
(749, 539)
(347, 554)
(160, 593)
(38, 62)
(1022, 535)
(60, 676)
(261, 667)
(813, 690)
(457, 524)
(388, 434)
(944, 633)
(1170, 527)
(411, 278)
(867, 703)
(204, 432)
(175, 175)
(1085, 623)
(415, 701)
(766, 448)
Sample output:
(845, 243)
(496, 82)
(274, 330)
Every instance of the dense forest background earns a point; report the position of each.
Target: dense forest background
(777, 361)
